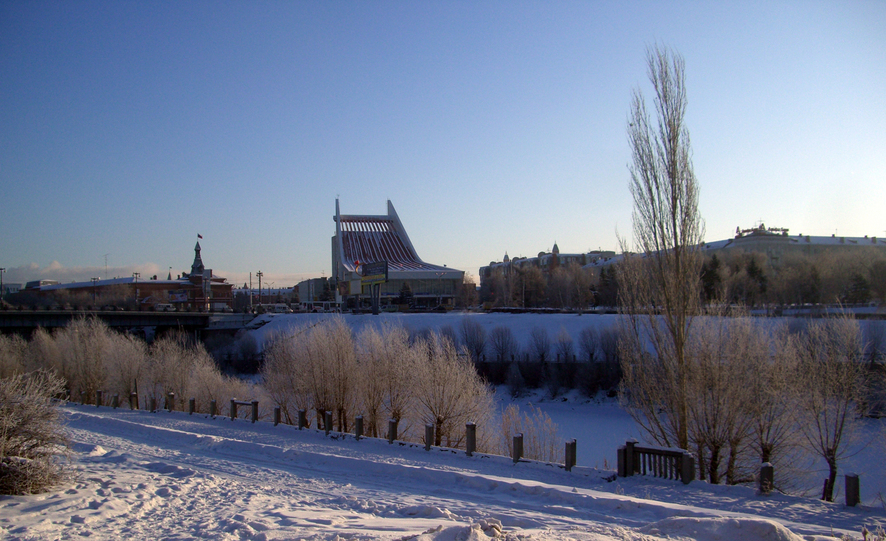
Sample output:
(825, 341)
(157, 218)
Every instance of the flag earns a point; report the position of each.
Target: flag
(199, 236)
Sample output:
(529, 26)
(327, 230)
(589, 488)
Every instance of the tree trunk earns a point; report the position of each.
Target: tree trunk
(714, 464)
(765, 452)
(832, 476)
(438, 432)
(702, 463)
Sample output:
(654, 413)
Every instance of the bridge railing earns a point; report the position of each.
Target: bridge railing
(662, 462)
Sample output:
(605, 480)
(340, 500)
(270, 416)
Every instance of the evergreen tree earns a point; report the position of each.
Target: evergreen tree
(710, 278)
(405, 295)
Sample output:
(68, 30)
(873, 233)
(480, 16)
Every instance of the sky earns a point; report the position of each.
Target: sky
(128, 128)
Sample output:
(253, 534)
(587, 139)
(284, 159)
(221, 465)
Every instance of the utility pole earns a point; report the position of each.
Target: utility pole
(136, 275)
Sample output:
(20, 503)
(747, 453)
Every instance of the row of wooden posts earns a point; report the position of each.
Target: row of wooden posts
(470, 428)
(632, 458)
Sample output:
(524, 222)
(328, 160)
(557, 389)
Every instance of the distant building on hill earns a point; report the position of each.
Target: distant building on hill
(775, 243)
(364, 239)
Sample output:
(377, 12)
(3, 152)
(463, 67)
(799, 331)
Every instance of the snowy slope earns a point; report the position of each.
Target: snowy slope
(173, 476)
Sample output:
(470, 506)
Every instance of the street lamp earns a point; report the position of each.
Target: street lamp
(439, 287)
(259, 274)
(94, 282)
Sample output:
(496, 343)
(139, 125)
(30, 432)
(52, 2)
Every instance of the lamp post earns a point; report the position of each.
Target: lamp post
(94, 282)
(259, 274)
(136, 275)
(439, 287)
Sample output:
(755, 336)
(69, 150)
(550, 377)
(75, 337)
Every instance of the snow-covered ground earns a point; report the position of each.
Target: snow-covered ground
(142, 475)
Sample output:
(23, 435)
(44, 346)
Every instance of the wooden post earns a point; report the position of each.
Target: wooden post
(213, 407)
(133, 401)
(852, 490)
(233, 408)
(767, 476)
(98, 398)
(277, 416)
(392, 430)
(115, 401)
(153, 404)
(622, 461)
(429, 436)
(170, 402)
(470, 439)
(254, 411)
(687, 468)
(302, 419)
(570, 455)
(358, 427)
(327, 421)
(192, 406)
(518, 447)
(630, 465)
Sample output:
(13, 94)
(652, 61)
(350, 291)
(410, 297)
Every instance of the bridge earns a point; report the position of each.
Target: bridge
(25, 322)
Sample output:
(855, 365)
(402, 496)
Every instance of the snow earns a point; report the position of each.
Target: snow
(170, 475)
(144, 475)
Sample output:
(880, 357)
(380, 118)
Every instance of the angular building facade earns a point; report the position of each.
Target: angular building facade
(363, 239)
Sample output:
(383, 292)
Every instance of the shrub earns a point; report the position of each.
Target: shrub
(12, 355)
(31, 434)
(540, 434)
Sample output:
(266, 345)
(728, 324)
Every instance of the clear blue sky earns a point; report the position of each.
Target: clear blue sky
(127, 128)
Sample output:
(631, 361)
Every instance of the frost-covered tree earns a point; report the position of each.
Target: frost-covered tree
(448, 391)
(832, 375)
(386, 364)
